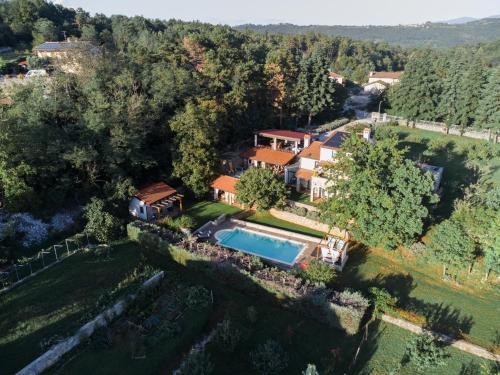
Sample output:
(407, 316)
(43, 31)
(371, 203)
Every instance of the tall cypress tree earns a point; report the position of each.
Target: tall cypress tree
(488, 111)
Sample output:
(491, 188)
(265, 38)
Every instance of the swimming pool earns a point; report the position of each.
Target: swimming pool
(265, 246)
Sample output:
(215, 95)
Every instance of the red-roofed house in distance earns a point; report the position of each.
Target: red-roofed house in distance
(337, 78)
(155, 201)
(379, 81)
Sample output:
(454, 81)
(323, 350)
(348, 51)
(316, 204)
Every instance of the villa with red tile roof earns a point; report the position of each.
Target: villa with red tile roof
(336, 77)
(379, 81)
(155, 201)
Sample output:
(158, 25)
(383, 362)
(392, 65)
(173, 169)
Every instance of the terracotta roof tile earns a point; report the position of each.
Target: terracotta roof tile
(155, 192)
(225, 183)
(284, 134)
(304, 174)
(311, 152)
(268, 155)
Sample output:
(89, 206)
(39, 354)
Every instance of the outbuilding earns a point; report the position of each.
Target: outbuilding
(155, 201)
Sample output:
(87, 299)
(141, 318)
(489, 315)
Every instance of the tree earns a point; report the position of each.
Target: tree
(315, 90)
(492, 248)
(377, 194)
(423, 354)
(261, 187)
(488, 112)
(382, 300)
(196, 154)
(44, 30)
(451, 246)
(100, 223)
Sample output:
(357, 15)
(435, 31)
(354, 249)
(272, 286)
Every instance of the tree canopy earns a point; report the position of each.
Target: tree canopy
(261, 188)
(377, 194)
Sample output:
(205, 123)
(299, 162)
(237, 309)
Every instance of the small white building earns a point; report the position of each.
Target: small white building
(336, 78)
(380, 81)
(155, 201)
(225, 189)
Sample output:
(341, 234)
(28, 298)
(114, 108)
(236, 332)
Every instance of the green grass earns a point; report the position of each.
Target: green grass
(472, 309)
(209, 210)
(265, 218)
(386, 346)
(302, 198)
(54, 303)
(456, 160)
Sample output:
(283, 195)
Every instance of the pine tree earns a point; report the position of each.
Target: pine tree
(488, 111)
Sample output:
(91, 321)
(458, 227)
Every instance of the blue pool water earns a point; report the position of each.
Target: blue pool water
(267, 247)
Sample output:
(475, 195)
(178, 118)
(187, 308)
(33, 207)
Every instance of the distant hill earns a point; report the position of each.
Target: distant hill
(428, 34)
(459, 21)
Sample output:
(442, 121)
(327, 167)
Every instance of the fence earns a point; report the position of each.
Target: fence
(17, 273)
(438, 127)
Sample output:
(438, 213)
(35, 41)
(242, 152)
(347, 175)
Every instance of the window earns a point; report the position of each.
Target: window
(141, 210)
(316, 164)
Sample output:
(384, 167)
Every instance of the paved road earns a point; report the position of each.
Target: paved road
(459, 344)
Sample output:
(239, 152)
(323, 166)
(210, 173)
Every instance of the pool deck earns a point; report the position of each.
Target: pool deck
(306, 254)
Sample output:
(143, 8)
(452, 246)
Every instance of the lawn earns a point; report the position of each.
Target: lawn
(386, 346)
(265, 218)
(304, 340)
(209, 210)
(455, 155)
(302, 198)
(56, 303)
(473, 310)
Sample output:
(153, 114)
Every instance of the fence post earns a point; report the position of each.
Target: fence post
(55, 252)
(43, 260)
(31, 269)
(67, 247)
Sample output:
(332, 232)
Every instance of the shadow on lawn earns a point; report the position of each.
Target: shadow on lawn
(439, 317)
(458, 172)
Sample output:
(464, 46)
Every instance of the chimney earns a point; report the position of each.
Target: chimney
(307, 140)
(367, 133)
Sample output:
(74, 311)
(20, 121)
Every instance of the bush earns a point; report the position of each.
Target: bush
(313, 215)
(310, 370)
(100, 223)
(269, 358)
(197, 297)
(382, 300)
(423, 353)
(197, 363)
(301, 211)
(252, 314)
(184, 222)
(227, 336)
(318, 272)
(332, 125)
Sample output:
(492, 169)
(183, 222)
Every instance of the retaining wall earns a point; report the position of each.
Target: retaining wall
(308, 223)
(54, 354)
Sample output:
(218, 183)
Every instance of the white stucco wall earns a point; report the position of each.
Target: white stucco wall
(134, 209)
(386, 80)
(306, 163)
(327, 154)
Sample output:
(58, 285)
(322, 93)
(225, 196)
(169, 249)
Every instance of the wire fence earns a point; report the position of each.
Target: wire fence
(45, 258)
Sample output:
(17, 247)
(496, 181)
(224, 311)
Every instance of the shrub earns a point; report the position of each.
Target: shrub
(332, 125)
(227, 336)
(353, 298)
(382, 300)
(318, 272)
(423, 354)
(32, 231)
(313, 215)
(166, 222)
(184, 222)
(198, 362)
(252, 314)
(197, 297)
(101, 224)
(269, 358)
(301, 211)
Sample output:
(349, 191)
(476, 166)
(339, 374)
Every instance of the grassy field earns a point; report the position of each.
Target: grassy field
(458, 156)
(209, 210)
(265, 218)
(56, 302)
(304, 340)
(449, 307)
(386, 346)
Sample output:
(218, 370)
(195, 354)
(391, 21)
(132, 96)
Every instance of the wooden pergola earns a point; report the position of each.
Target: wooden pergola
(165, 202)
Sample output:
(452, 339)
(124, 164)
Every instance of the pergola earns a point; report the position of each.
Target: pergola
(166, 202)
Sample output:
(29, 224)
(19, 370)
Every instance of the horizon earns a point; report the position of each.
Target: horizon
(234, 13)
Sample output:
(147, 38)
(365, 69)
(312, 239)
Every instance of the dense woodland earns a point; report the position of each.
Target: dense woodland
(158, 96)
(425, 35)
(456, 87)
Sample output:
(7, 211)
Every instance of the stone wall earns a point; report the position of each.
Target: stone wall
(308, 223)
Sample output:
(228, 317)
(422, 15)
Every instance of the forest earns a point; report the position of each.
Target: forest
(158, 96)
(430, 34)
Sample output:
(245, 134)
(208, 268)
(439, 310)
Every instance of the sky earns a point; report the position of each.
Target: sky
(300, 12)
